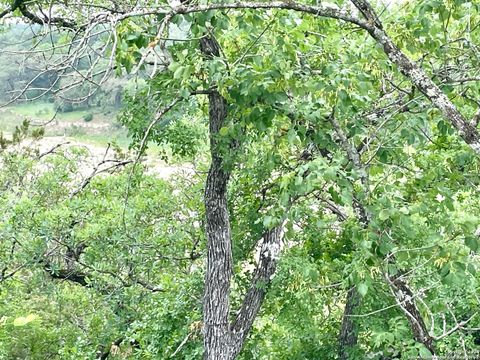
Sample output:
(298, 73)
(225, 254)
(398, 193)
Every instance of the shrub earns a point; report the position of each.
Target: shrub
(63, 107)
(88, 117)
(75, 130)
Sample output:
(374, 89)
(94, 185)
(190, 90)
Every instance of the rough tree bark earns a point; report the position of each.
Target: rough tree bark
(348, 332)
(406, 302)
(216, 304)
(419, 78)
(269, 255)
(222, 340)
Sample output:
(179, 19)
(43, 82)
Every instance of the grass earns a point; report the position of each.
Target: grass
(45, 111)
(120, 137)
(100, 130)
(38, 110)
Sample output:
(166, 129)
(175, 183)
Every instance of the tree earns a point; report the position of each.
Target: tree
(331, 112)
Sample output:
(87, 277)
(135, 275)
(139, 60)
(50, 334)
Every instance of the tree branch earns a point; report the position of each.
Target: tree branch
(405, 300)
(330, 11)
(419, 78)
(269, 255)
(60, 22)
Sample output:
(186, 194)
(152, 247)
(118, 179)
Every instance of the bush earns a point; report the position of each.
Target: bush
(63, 107)
(88, 117)
(75, 130)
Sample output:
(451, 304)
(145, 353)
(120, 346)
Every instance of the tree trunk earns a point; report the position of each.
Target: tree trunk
(219, 252)
(216, 304)
(223, 341)
(402, 293)
(348, 333)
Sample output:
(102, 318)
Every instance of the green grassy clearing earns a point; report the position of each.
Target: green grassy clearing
(118, 137)
(45, 111)
(100, 131)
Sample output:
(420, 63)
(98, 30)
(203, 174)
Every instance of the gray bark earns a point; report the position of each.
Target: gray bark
(419, 78)
(348, 332)
(269, 254)
(216, 305)
(222, 340)
(405, 299)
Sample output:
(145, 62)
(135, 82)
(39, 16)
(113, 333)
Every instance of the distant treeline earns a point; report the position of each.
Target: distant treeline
(24, 75)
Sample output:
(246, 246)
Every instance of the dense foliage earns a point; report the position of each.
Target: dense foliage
(376, 193)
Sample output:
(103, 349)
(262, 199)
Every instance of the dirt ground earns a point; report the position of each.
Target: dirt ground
(98, 154)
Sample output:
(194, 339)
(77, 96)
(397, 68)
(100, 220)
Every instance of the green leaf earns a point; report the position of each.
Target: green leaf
(178, 72)
(292, 136)
(471, 269)
(22, 321)
(472, 243)
(424, 352)
(173, 66)
(362, 289)
(385, 247)
(392, 269)
(268, 221)
(384, 214)
(330, 173)
(313, 275)
(453, 278)
(223, 131)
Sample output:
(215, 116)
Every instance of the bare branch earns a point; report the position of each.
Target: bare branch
(115, 164)
(459, 326)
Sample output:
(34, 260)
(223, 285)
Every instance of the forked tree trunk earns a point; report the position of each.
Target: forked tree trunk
(222, 340)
